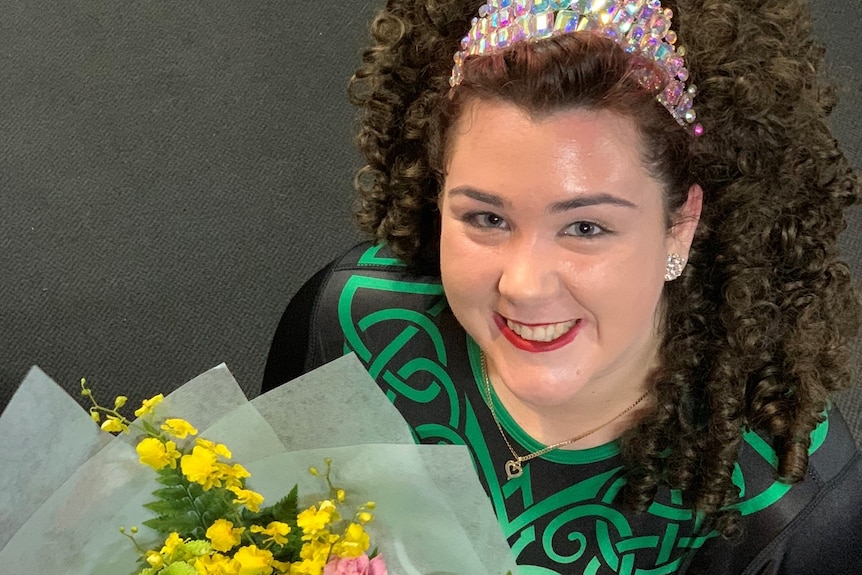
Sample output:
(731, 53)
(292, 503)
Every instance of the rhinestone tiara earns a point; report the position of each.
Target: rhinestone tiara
(639, 26)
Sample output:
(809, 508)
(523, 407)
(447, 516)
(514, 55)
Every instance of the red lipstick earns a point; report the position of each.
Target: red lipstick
(535, 346)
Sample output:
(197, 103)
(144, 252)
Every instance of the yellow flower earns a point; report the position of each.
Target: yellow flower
(217, 448)
(114, 424)
(253, 561)
(155, 560)
(156, 454)
(120, 401)
(200, 466)
(216, 564)
(276, 530)
(314, 556)
(364, 517)
(95, 415)
(354, 542)
(313, 520)
(179, 428)
(172, 543)
(223, 535)
(306, 567)
(232, 474)
(148, 405)
(319, 549)
(280, 567)
(248, 498)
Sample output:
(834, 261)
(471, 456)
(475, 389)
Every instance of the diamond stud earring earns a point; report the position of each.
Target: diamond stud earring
(675, 265)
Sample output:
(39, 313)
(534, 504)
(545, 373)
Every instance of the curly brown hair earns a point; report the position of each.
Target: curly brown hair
(757, 330)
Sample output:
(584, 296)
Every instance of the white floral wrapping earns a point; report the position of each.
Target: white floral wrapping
(66, 487)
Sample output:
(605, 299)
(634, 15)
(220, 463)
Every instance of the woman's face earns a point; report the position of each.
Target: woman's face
(553, 249)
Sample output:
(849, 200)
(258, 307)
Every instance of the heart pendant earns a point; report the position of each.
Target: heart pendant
(513, 469)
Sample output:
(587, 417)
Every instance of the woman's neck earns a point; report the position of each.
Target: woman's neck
(601, 412)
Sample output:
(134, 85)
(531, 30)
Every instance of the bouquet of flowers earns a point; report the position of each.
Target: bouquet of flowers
(73, 498)
(213, 525)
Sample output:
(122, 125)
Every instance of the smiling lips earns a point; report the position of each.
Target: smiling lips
(544, 333)
(538, 338)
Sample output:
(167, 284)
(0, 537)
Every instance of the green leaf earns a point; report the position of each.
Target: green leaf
(167, 508)
(149, 428)
(180, 568)
(214, 504)
(285, 510)
(289, 552)
(171, 493)
(197, 548)
(183, 523)
(168, 476)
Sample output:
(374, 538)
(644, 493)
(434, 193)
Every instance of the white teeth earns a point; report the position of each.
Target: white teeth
(543, 333)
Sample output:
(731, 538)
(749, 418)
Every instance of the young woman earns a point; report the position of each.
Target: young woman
(605, 261)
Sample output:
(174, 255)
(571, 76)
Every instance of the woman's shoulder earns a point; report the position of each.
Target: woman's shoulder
(808, 527)
(363, 280)
(368, 278)
(368, 298)
(376, 259)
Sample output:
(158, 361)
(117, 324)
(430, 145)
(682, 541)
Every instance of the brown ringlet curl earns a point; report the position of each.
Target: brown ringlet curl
(757, 329)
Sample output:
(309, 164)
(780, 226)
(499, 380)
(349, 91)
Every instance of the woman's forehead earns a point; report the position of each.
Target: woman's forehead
(496, 145)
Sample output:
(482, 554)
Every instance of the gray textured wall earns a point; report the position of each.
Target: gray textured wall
(170, 172)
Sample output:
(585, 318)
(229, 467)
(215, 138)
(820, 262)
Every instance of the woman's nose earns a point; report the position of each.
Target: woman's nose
(528, 273)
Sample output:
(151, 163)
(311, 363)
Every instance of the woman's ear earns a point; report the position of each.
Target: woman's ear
(685, 222)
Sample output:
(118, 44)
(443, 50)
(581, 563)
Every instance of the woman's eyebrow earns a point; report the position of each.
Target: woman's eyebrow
(592, 200)
(555, 208)
(478, 195)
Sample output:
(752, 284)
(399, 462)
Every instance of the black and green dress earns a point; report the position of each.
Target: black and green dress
(561, 515)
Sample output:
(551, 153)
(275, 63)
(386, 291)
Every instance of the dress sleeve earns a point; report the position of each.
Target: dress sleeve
(814, 529)
(827, 538)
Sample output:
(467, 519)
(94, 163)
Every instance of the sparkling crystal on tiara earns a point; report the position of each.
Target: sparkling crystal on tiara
(598, 6)
(610, 33)
(646, 14)
(673, 65)
(588, 24)
(543, 25)
(623, 21)
(660, 26)
(635, 37)
(650, 47)
(521, 28)
(639, 26)
(673, 92)
(566, 21)
(480, 30)
(501, 18)
(503, 37)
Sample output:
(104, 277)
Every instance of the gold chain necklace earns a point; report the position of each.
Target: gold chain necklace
(514, 466)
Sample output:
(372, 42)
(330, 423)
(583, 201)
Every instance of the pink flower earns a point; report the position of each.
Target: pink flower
(361, 565)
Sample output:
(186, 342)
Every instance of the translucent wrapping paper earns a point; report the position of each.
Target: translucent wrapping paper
(66, 487)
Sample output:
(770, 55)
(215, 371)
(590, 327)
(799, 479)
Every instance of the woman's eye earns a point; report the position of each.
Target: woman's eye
(486, 220)
(581, 229)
